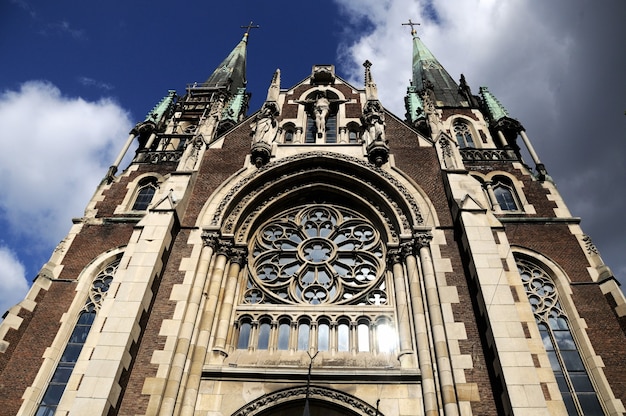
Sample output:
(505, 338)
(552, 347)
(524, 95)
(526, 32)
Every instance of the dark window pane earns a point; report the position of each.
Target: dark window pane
(581, 382)
(79, 335)
(554, 362)
(572, 361)
(560, 380)
(322, 339)
(62, 374)
(264, 336)
(564, 340)
(590, 404)
(569, 403)
(244, 336)
(70, 355)
(547, 341)
(53, 394)
(46, 411)
(283, 336)
(144, 197)
(86, 318)
(303, 336)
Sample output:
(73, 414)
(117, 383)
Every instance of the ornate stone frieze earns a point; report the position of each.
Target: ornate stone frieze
(217, 216)
(298, 393)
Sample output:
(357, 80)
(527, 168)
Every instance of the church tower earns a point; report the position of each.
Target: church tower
(321, 256)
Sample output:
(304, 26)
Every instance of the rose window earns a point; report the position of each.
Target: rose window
(317, 255)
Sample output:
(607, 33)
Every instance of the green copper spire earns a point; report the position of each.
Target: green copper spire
(494, 108)
(428, 73)
(231, 74)
(163, 108)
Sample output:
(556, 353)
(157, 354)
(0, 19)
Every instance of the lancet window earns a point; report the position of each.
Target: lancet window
(463, 134)
(74, 346)
(145, 193)
(505, 195)
(572, 377)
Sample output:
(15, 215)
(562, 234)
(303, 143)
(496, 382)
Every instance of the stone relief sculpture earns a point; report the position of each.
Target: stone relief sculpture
(265, 126)
(374, 123)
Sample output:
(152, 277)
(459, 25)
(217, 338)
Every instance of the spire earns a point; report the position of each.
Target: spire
(371, 91)
(428, 73)
(495, 110)
(163, 109)
(231, 73)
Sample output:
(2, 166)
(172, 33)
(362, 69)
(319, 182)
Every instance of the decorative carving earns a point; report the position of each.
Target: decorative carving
(318, 254)
(487, 155)
(394, 256)
(407, 248)
(238, 255)
(589, 246)
(265, 127)
(100, 286)
(210, 239)
(374, 122)
(296, 158)
(422, 238)
(279, 397)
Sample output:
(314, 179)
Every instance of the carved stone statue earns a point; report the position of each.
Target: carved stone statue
(374, 123)
(321, 108)
(265, 127)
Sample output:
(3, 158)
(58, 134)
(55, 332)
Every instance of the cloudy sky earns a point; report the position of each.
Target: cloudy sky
(77, 75)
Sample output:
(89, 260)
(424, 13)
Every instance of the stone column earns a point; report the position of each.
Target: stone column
(429, 390)
(530, 148)
(444, 366)
(405, 354)
(297, 137)
(492, 197)
(187, 398)
(223, 323)
(503, 141)
(184, 349)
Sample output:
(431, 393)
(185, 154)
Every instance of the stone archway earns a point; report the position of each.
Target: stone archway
(322, 402)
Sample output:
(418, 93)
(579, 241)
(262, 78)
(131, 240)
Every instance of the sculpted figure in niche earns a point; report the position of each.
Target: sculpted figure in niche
(321, 109)
(374, 123)
(265, 127)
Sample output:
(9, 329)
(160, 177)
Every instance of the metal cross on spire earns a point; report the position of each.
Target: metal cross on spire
(250, 26)
(413, 31)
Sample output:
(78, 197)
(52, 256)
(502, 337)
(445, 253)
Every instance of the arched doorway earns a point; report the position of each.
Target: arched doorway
(316, 408)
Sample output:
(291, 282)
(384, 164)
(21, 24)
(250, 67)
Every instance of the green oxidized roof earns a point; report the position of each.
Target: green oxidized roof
(495, 109)
(428, 70)
(231, 73)
(162, 108)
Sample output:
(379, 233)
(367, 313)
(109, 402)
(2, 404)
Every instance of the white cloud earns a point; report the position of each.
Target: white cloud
(13, 284)
(555, 67)
(55, 150)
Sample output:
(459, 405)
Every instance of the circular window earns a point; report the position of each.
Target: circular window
(318, 254)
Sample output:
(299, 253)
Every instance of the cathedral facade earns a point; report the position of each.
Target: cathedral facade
(321, 256)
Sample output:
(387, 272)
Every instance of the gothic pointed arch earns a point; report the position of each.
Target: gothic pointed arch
(398, 204)
(333, 401)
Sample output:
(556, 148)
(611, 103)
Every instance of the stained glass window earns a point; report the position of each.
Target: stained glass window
(74, 346)
(571, 375)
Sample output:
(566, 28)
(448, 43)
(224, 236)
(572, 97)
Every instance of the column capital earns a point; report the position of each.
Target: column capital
(210, 239)
(394, 256)
(422, 238)
(237, 255)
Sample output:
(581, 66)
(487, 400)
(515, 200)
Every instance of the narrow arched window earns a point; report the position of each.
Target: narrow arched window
(463, 134)
(74, 346)
(363, 336)
(303, 335)
(354, 132)
(569, 370)
(264, 335)
(343, 337)
(385, 336)
(244, 335)
(505, 196)
(284, 330)
(323, 336)
(147, 189)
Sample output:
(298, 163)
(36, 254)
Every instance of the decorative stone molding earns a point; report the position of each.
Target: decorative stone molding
(210, 239)
(335, 397)
(423, 239)
(238, 255)
(589, 245)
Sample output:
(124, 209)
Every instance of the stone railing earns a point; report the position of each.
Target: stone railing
(469, 155)
(158, 156)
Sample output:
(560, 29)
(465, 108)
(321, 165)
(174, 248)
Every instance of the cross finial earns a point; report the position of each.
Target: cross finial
(413, 31)
(250, 26)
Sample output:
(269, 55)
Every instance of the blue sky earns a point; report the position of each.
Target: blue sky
(77, 75)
